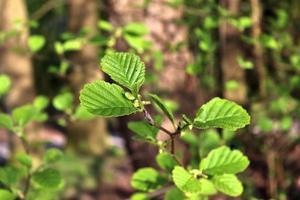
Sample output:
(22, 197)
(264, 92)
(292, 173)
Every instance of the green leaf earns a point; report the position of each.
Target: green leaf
(47, 178)
(223, 160)
(24, 159)
(105, 25)
(126, 69)
(185, 181)
(163, 107)
(143, 130)
(59, 48)
(138, 29)
(10, 175)
(36, 42)
(245, 64)
(147, 179)
(5, 84)
(82, 114)
(207, 187)
(221, 113)
(6, 195)
(64, 101)
(174, 194)
(139, 196)
(6, 121)
(53, 155)
(72, 45)
(105, 99)
(228, 184)
(41, 102)
(137, 42)
(42, 194)
(24, 114)
(207, 141)
(166, 161)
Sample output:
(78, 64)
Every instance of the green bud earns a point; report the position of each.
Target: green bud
(129, 96)
(136, 104)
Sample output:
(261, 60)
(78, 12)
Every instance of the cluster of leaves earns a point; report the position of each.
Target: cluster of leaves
(216, 172)
(23, 178)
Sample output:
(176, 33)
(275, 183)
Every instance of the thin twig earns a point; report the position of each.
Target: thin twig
(28, 178)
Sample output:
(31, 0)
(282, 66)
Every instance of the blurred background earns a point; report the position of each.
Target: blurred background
(247, 51)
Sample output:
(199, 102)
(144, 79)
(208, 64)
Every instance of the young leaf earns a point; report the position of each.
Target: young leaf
(53, 155)
(126, 69)
(6, 195)
(6, 121)
(166, 161)
(174, 193)
(222, 160)
(24, 159)
(105, 99)
(82, 114)
(147, 179)
(207, 187)
(137, 29)
(24, 114)
(163, 107)
(72, 45)
(105, 25)
(63, 101)
(5, 84)
(221, 113)
(47, 178)
(139, 196)
(41, 102)
(228, 184)
(11, 175)
(143, 130)
(36, 42)
(185, 181)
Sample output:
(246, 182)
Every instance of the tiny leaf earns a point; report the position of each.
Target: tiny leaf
(41, 102)
(53, 155)
(24, 159)
(36, 42)
(63, 101)
(5, 84)
(6, 121)
(137, 29)
(24, 114)
(47, 178)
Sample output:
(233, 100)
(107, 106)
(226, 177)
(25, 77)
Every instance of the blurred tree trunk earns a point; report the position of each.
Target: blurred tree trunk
(258, 53)
(14, 60)
(171, 38)
(230, 51)
(84, 14)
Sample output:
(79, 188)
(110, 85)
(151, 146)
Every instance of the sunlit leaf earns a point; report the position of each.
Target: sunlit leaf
(221, 113)
(105, 99)
(223, 160)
